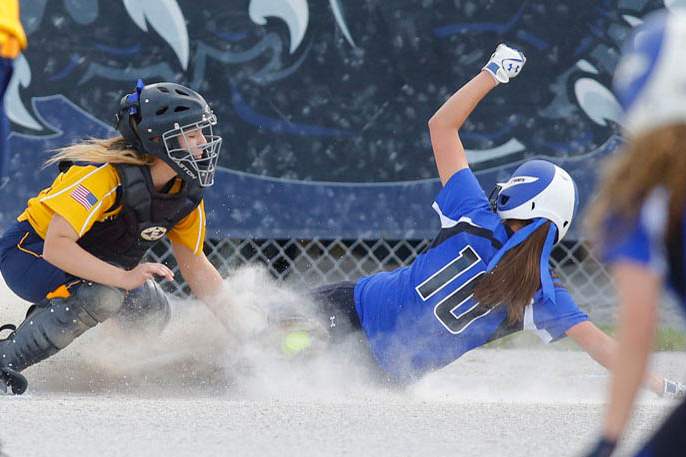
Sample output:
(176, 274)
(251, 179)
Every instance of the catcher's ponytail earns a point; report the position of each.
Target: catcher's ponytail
(97, 150)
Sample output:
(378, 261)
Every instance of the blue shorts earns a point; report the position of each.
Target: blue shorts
(25, 271)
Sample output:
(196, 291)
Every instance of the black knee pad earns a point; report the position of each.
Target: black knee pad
(145, 308)
(99, 301)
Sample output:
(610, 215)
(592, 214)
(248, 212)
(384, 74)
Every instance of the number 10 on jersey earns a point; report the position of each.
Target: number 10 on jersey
(458, 310)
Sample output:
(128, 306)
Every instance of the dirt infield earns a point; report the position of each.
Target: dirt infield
(491, 403)
(188, 391)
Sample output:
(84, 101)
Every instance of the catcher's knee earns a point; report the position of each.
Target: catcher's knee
(99, 301)
(146, 307)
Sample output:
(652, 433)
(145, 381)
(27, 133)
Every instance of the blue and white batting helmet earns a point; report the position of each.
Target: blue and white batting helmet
(539, 188)
(650, 80)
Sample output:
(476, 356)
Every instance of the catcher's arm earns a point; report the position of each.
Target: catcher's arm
(241, 320)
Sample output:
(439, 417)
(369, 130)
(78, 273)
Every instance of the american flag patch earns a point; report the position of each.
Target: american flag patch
(84, 196)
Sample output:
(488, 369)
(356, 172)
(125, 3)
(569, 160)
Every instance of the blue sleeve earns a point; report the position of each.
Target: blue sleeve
(640, 240)
(461, 195)
(552, 320)
(631, 243)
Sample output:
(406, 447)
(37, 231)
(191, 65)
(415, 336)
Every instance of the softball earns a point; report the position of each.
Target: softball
(295, 342)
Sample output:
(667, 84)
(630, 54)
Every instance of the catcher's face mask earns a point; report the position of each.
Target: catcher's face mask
(195, 148)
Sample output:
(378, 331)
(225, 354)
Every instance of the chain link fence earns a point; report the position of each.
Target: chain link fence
(319, 261)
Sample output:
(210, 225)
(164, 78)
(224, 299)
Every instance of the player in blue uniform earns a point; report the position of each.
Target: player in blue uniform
(638, 218)
(486, 275)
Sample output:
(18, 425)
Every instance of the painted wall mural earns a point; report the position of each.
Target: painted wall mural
(323, 104)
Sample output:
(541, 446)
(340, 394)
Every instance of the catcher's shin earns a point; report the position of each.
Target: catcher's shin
(52, 326)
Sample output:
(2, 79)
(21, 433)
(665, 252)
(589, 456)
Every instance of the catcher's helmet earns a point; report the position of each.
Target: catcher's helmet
(157, 119)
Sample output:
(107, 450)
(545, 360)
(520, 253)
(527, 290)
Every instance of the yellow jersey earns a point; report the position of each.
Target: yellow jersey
(12, 36)
(84, 195)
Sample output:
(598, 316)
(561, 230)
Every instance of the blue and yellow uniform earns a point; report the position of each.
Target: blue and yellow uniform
(83, 196)
(12, 35)
(12, 41)
(117, 212)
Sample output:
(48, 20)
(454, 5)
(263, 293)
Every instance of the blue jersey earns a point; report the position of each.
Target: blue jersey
(644, 242)
(422, 317)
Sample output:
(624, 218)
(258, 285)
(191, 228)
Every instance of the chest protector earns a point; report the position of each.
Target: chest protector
(145, 217)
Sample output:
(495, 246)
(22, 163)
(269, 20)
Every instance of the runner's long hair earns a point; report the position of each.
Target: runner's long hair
(516, 278)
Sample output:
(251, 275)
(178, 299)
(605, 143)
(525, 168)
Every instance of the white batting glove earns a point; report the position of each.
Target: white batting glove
(505, 63)
(673, 389)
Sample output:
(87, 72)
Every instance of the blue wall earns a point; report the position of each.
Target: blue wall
(323, 104)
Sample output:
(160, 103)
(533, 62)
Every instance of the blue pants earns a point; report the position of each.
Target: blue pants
(6, 68)
(336, 305)
(336, 308)
(22, 265)
(670, 439)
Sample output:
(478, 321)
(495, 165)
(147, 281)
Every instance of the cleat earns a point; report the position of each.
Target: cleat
(10, 379)
(291, 333)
